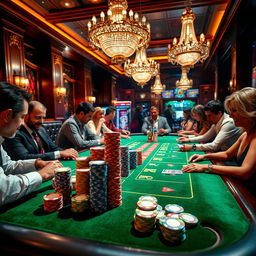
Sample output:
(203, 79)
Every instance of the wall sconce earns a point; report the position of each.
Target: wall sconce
(91, 99)
(61, 92)
(21, 81)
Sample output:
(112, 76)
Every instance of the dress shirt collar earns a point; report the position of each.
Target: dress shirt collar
(1, 140)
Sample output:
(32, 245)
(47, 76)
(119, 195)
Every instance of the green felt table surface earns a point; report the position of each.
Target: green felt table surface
(201, 194)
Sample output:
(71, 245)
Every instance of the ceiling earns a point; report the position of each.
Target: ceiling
(70, 17)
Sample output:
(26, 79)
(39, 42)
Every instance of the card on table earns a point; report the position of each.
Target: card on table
(172, 172)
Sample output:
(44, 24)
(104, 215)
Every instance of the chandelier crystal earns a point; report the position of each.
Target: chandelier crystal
(158, 87)
(188, 51)
(141, 70)
(119, 35)
(184, 83)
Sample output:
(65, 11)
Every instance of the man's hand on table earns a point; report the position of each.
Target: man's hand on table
(185, 147)
(69, 153)
(47, 172)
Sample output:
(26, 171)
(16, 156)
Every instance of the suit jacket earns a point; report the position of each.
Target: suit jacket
(23, 146)
(162, 124)
(75, 135)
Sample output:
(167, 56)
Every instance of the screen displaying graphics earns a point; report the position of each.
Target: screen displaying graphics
(168, 94)
(192, 93)
(178, 93)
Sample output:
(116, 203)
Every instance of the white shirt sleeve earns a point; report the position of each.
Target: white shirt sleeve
(17, 178)
(205, 137)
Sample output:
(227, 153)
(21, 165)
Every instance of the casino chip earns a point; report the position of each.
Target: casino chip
(149, 198)
(189, 219)
(146, 205)
(173, 208)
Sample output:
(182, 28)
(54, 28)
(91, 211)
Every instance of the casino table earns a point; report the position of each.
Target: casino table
(226, 217)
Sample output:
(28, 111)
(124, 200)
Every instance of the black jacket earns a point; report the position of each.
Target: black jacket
(22, 146)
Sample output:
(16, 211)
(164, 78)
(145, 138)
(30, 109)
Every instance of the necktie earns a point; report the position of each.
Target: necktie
(39, 142)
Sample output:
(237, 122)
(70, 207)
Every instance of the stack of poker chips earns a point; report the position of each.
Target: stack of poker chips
(97, 153)
(80, 203)
(113, 159)
(82, 162)
(73, 182)
(82, 181)
(98, 186)
(53, 202)
(139, 156)
(133, 159)
(145, 214)
(172, 229)
(62, 177)
(189, 219)
(125, 161)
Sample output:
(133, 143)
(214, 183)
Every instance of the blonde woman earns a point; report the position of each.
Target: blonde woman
(242, 108)
(96, 124)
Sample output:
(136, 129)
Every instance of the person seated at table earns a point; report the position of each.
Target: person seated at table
(137, 120)
(223, 132)
(109, 117)
(188, 124)
(97, 123)
(155, 122)
(242, 108)
(200, 117)
(75, 133)
(18, 178)
(32, 141)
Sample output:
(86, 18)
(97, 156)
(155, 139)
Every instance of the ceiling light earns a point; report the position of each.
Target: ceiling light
(120, 34)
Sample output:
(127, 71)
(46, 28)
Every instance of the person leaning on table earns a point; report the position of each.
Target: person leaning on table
(242, 108)
(223, 131)
(18, 178)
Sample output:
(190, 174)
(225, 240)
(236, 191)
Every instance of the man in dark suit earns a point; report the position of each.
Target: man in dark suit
(32, 140)
(155, 122)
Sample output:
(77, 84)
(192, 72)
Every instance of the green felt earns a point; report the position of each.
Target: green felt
(204, 195)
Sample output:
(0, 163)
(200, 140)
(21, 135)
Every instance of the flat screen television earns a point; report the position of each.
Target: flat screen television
(168, 94)
(192, 93)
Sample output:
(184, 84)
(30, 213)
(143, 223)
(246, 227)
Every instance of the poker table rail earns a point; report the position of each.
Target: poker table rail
(26, 241)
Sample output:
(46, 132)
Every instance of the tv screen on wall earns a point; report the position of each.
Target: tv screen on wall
(192, 93)
(168, 94)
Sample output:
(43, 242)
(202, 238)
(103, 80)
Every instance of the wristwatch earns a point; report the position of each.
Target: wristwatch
(210, 166)
(194, 147)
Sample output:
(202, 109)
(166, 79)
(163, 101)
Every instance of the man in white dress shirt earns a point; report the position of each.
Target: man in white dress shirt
(223, 131)
(18, 178)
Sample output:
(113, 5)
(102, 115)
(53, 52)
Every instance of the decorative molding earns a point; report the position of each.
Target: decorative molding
(14, 40)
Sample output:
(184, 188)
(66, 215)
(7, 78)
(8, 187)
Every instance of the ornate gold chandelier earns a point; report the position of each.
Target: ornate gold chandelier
(188, 51)
(184, 83)
(119, 35)
(141, 70)
(158, 87)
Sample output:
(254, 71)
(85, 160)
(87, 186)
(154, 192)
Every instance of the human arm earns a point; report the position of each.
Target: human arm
(245, 171)
(145, 126)
(165, 129)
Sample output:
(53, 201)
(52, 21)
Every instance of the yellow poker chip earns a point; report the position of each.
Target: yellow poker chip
(146, 205)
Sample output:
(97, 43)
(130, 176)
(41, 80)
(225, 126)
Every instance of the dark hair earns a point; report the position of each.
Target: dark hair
(110, 109)
(214, 106)
(85, 107)
(187, 111)
(12, 97)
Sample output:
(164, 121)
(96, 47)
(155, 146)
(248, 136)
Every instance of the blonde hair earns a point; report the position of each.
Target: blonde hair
(244, 101)
(96, 111)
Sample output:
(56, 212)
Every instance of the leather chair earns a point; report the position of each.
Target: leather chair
(52, 128)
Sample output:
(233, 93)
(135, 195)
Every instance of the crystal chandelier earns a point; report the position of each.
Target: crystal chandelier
(184, 83)
(119, 35)
(141, 70)
(157, 87)
(188, 51)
